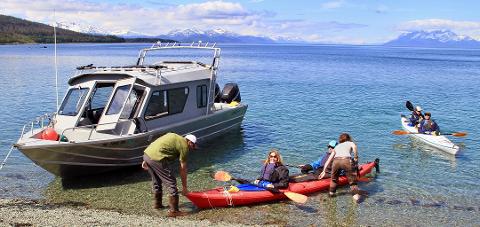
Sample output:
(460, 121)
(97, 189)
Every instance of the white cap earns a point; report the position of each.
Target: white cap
(419, 108)
(192, 138)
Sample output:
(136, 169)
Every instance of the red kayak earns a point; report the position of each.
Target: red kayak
(220, 197)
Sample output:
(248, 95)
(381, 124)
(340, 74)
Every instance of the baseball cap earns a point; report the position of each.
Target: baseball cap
(191, 138)
(419, 108)
(332, 143)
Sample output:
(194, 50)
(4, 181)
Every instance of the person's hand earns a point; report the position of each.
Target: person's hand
(256, 182)
(144, 165)
(355, 160)
(270, 186)
(321, 175)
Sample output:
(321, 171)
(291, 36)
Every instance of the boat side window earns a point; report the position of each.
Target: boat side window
(73, 101)
(201, 96)
(166, 102)
(118, 99)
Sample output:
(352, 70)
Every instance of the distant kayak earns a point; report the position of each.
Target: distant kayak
(221, 197)
(440, 142)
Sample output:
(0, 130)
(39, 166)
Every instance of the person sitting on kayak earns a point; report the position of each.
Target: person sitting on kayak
(273, 174)
(428, 125)
(316, 167)
(416, 117)
(342, 159)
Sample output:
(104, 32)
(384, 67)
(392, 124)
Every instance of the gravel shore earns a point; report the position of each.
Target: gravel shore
(20, 212)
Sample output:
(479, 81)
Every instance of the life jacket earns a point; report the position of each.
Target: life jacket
(428, 126)
(415, 118)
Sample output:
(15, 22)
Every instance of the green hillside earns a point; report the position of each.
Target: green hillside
(14, 30)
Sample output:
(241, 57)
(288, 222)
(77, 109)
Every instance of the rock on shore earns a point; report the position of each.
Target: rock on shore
(35, 213)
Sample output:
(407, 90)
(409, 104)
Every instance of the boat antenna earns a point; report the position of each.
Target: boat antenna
(55, 50)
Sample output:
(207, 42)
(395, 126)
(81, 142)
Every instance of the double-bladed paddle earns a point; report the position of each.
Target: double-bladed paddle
(402, 132)
(409, 106)
(296, 197)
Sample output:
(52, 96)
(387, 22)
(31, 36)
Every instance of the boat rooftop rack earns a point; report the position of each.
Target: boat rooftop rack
(194, 45)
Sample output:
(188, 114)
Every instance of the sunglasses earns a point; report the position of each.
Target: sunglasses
(273, 156)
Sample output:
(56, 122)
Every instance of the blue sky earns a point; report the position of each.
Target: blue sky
(326, 21)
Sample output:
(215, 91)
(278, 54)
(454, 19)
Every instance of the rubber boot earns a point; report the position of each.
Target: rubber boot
(174, 211)
(157, 201)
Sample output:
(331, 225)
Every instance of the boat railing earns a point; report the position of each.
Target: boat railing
(42, 121)
(159, 46)
(93, 127)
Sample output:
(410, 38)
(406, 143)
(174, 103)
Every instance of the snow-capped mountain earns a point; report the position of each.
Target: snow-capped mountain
(214, 35)
(130, 34)
(437, 38)
(182, 35)
(82, 28)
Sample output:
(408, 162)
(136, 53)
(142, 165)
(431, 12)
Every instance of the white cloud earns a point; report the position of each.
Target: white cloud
(162, 18)
(154, 20)
(429, 24)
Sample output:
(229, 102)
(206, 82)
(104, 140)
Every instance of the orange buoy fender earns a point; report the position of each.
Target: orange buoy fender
(49, 134)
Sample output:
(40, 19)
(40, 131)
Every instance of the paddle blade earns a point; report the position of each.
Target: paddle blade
(459, 134)
(295, 197)
(400, 132)
(409, 105)
(222, 176)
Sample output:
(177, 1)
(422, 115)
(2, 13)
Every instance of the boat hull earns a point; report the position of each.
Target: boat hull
(440, 142)
(69, 160)
(219, 197)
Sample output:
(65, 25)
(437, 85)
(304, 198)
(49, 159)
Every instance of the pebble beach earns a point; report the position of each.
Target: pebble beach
(21, 212)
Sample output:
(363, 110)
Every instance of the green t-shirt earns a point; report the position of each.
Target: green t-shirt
(169, 146)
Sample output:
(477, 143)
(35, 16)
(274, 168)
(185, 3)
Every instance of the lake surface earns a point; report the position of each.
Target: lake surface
(299, 97)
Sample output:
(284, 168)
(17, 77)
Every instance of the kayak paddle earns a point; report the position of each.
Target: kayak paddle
(409, 105)
(296, 197)
(402, 132)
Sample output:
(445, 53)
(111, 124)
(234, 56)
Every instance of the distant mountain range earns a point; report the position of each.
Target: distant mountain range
(15, 30)
(184, 35)
(434, 39)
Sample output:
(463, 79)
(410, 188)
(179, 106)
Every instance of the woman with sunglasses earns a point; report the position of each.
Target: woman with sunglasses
(273, 174)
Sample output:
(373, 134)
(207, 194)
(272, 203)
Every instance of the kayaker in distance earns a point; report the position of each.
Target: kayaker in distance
(428, 125)
(316, 167)
(416, 116)
(342, 159)
(158, 158)
(273, 174)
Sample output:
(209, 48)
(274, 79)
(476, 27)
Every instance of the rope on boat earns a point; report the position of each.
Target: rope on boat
(208, 199)
(228, 196)
(6, 157)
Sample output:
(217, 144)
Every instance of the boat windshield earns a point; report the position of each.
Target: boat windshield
(121, 94)
(73, 101)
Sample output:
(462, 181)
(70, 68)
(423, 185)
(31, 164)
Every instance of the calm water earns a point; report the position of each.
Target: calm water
(299, 97)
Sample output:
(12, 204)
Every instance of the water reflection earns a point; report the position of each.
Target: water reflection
(426, 152)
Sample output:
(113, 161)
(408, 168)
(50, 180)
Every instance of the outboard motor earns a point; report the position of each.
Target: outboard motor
(218, 95)
(230, 93)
